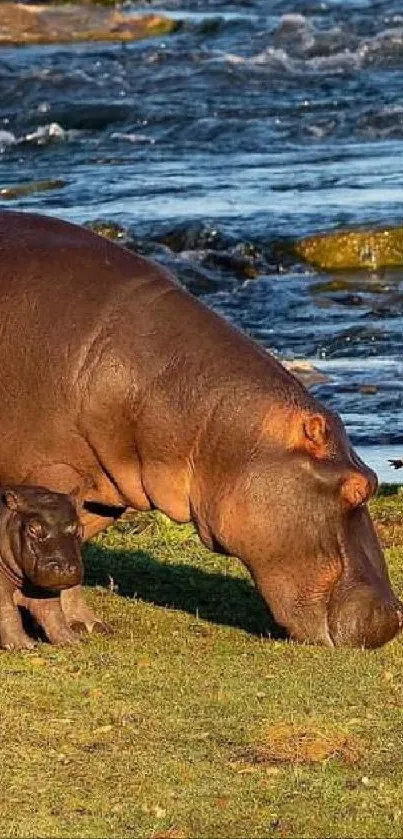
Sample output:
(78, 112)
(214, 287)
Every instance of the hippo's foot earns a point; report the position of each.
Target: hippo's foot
(78, 615)
(12, 634)
(48, 614)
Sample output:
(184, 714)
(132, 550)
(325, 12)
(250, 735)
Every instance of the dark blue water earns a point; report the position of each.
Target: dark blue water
(256, 123)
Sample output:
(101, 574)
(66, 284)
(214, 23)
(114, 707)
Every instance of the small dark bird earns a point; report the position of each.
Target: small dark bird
(397, 464)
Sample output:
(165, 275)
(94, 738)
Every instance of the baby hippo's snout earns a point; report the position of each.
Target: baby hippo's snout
(361, 616)
(58, 573)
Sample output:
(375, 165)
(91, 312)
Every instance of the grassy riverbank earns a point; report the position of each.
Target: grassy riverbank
(187, 722)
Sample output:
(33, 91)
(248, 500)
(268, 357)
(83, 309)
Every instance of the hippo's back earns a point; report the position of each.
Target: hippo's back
(59, 285)
(71, 269)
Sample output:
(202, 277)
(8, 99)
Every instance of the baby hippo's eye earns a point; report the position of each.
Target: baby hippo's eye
(74, 529)
(37, 530)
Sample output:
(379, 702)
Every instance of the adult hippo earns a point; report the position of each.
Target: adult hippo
(113, 376)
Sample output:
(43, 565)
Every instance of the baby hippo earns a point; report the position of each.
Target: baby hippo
(40, 537)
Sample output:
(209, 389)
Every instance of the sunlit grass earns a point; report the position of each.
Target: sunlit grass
(189, 722)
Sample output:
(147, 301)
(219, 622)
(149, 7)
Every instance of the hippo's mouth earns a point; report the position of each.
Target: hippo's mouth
(362, 610)
(351, 601)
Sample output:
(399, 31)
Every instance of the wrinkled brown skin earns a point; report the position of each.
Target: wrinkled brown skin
(113, 376)
(40, 536)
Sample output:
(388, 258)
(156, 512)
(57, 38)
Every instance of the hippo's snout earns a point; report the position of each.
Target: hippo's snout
(56, 575)
(362, 617)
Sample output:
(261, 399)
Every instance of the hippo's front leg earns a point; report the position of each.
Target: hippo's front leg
(79, 616)
(12, 634)
(48, 613)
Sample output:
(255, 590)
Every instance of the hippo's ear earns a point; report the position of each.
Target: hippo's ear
(316, 434)
(12, 500)
(356, 489)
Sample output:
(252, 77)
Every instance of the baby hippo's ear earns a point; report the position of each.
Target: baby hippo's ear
(11, 499)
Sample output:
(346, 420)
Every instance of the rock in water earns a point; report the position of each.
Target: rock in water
(305, 372)
(24, 24)
(346, 249)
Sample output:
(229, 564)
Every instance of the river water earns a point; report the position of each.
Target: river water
(256, 123)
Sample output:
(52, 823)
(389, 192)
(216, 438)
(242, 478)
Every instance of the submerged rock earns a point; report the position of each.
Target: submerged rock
(346, 249)
(368, 390)
(305, 372)
(108, 229)
(51, 24)
(10, 193)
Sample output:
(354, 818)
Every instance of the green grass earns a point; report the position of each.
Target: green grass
(189, 721)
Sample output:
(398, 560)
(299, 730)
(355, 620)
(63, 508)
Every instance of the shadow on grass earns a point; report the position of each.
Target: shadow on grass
(214, 597)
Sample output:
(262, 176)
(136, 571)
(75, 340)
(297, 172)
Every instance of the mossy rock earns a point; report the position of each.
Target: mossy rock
(77, 2)
(10, 193)
(353, 249)
(108, 229)
(22, 24)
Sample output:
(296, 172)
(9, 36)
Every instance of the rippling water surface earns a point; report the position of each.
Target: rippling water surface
(255, 123)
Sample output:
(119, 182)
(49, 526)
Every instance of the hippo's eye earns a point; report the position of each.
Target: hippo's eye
(37, 531)
(74, 529)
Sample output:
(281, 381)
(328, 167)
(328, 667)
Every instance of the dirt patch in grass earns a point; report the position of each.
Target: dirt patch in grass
(292, 744)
